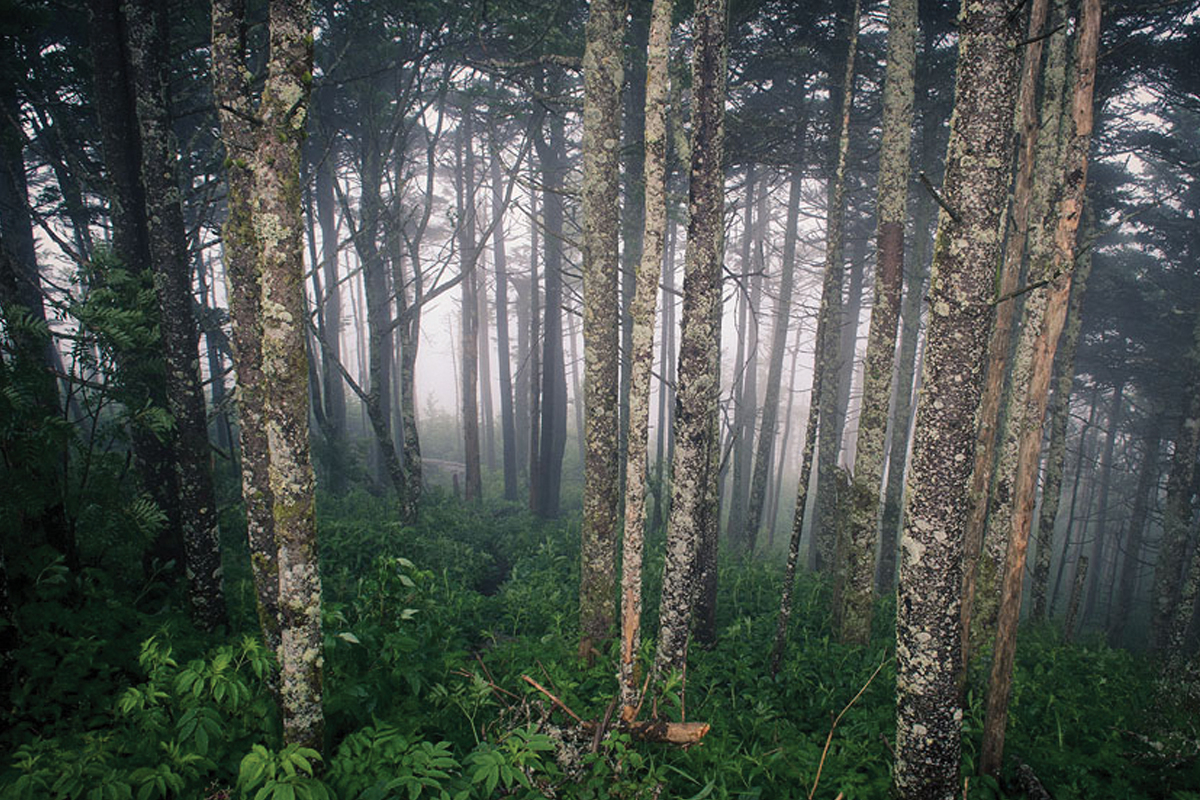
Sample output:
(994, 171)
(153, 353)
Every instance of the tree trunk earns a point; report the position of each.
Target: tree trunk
(991, 481)
(1057, 449)
(603, 68)
(699, 347)
(928, 627)
(743, 413)
(1085, 441)
(1101, 531)
(881, 340)
(242, 272)
(147, 29)
(1145, 496)
(1033, 366)
(332, 385)
(779, 332)
(553, 435)
(641, 354)
(278, 229)
(465, 195)
(508, 427)
(1177, 514)
(824, 534)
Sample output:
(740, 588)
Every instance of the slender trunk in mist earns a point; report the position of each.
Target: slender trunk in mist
(1166, 637)
(781, 468)
(867, 480)
(333, 387)
(779, 332)
(743, 414)
(699, 347)
(1086, 442)
(576, 391)
(147, 29)
(1081, 572)
(1033, 365)
(664, 446)
(928, 624)
(535, 350)
(1100, 537)
(1056, 452)
(641, 353)
(991, 482)
(553, 434)
(508, 427)
(487, 411)
(824, 534)
(1145, 496)
(464, 184)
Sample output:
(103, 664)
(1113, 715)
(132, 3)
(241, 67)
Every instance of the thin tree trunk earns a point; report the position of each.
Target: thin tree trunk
(824, 534)
(1101, 530)
(641, 354)
(1057, 450)
(743, 429)
(1076, 596)
(465, 194)
(865, 487)
(779, 332)
(1084, 455)
(1033, 367)
(1145, 496)
(699, 348)
(928, 626)
(147, 29)
(508, 431)
(535, 350)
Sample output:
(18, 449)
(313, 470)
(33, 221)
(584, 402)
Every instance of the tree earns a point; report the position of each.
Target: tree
(699, 346)
(278, 230)
(602, 78)
(1045, 314)
(855, 615)
(146, 27)
(928, 629)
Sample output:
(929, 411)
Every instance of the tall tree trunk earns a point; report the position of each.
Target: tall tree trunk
(487, 411)
(147, 29)
(743, 414)
(824, 534)
(641, 353)
(121, 148)
(1033, 366)
(779, 332)
(881, 340)
(1145, 496)
(278, 229)
(996, 455)
(1177, 513)
(508, 426)
(1100, 537)
(1084, 455)
(553, 434)
(664, 444)
(1057, 450)
(465, 197)
(535, 349)
(928, 627)
(332, 385)
(699, 349)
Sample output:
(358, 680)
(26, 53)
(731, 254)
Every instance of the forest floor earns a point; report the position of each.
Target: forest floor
(431, 633)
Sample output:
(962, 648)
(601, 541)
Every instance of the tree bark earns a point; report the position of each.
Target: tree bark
(147, 30)
(603, 74)
(641, 354)
(865, 487)
(278, 228)
(465, 196)
(928, 627)
(1145, 496)
(1031, 376)
(699, 347)
(508, 427)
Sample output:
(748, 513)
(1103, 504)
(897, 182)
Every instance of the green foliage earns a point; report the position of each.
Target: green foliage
(285, 775)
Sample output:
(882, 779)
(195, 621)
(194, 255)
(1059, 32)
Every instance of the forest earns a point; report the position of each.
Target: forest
(614, 399)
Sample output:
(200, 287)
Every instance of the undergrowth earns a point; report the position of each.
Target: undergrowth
(431, 633)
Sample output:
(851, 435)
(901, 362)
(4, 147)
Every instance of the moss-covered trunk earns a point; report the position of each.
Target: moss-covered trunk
(278, 226)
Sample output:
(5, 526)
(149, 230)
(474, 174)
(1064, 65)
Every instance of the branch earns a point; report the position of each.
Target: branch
(838, 719)
(924, 179)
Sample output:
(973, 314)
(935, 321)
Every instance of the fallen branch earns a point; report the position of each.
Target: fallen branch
(833, 727)
(553, 699)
